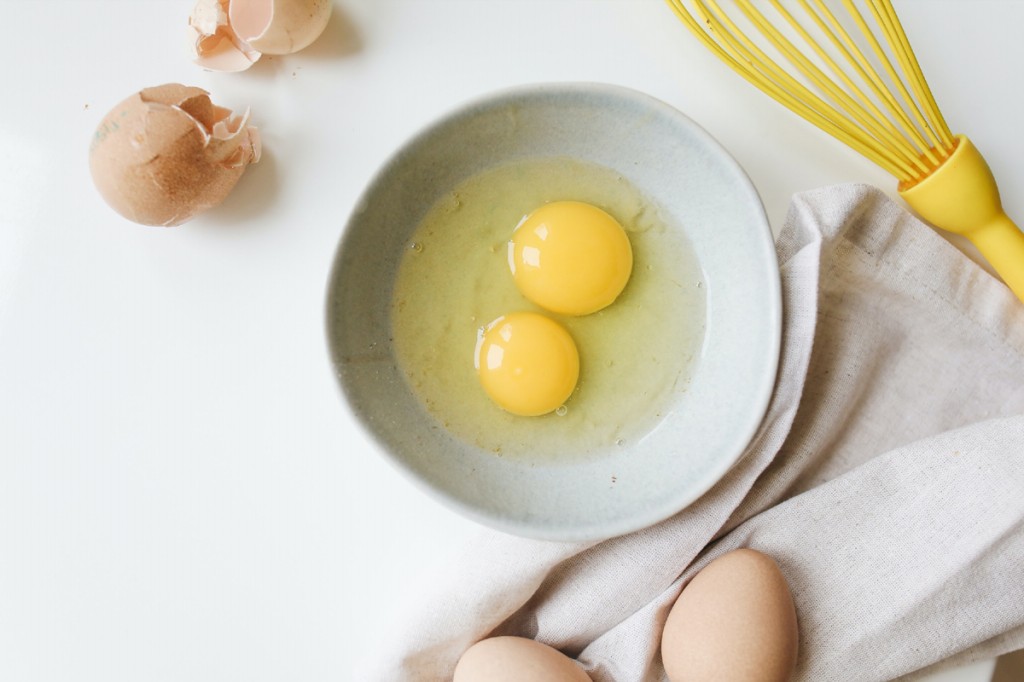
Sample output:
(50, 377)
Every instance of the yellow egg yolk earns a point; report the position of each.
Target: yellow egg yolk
(570, 257)
(527, 363)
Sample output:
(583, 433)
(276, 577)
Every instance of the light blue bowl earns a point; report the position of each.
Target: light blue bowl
(669, 159)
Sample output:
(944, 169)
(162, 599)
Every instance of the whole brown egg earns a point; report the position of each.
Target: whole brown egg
(734, 622)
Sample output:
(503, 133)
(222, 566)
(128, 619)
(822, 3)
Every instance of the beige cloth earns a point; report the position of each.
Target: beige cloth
(887, 480)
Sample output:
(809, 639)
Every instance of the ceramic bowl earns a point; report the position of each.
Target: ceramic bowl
(669, 159)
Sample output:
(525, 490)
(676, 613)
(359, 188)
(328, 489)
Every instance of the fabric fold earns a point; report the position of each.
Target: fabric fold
(884, 480)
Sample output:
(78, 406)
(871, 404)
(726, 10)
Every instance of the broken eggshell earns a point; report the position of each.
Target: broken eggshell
(167, 153)
(230, 35)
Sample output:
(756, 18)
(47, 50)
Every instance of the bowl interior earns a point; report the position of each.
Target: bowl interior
(669, 159)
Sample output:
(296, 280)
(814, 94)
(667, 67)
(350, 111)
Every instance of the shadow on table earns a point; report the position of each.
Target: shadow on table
(252, 196)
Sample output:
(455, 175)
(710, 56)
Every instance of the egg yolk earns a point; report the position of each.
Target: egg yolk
(527, 363)
(570, 257)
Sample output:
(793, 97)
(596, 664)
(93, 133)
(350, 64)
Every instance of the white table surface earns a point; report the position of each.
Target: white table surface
(183, 495)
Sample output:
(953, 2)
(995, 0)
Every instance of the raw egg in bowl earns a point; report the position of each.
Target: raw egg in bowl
(558, 309)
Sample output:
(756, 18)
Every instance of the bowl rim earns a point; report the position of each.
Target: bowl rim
(760, 394)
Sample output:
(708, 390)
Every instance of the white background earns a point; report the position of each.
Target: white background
(183, 495)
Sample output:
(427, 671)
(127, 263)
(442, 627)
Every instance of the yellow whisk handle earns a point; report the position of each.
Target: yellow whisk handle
(961, 196)
(1002, 244)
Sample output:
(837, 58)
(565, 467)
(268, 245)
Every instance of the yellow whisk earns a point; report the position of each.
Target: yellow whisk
(870, 94)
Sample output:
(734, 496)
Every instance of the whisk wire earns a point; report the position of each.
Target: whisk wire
(749, 61)
(909, 101)
(901, 131)
(852, 101)
(897, 117)
(843, 50)
(886, 16)
(768, 67)
(766, 75)
(761, 70)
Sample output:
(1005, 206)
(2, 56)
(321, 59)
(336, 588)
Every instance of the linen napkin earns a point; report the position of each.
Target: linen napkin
(887, 481)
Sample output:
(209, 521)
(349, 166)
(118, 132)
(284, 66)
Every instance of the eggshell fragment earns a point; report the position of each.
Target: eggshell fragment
(231, 35)
(167, 153)
(213, 43)
(516, 659)
(734, 622)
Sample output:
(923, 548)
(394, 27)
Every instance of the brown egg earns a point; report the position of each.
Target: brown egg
(167, 153)
(230, 35)
(734, 622)
(516, 659)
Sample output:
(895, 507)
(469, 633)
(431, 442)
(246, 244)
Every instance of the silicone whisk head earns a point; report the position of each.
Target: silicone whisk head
(853, 74)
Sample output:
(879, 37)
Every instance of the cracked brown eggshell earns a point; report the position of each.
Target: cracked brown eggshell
(230, 35)
(167, 153)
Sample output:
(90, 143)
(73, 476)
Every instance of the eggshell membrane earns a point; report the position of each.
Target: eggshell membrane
(734, 622)
(167, 153)
(516, 659)
(279, 26)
